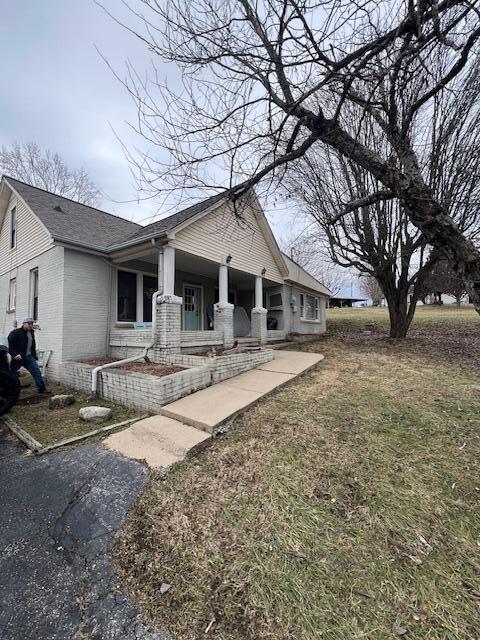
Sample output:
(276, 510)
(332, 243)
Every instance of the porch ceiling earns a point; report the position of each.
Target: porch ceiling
(197, 265)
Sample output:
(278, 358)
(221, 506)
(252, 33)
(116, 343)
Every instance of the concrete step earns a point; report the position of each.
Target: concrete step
(186, 424)
(158, 440)
(211, 407)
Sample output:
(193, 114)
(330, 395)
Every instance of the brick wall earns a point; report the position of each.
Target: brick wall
(138, 390)
(150, 393)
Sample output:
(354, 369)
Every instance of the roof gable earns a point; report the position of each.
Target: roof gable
(248, 238)
(72, 222)
(171, 223)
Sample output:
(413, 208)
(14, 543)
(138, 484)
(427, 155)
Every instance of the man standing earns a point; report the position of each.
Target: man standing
(22, 348)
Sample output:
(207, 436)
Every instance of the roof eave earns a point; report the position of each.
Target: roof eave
(69, 243)
(325, 293)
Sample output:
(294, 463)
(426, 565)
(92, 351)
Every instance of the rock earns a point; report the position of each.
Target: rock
(95, 414)
(399, 631)
(61, 401)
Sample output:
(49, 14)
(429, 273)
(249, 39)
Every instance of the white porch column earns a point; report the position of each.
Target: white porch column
(259, 292)
(168, 271)
(223, 310)
(167, 333)
(223, 283)
(160, 271)
(259, 313)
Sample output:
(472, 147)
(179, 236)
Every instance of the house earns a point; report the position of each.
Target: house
(214, 271)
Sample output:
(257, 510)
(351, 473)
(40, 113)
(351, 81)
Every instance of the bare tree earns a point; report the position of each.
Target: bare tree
(377, 240)
(376, 237)
(266, 81)
(308, 252)
(372, 289)
(48, 171)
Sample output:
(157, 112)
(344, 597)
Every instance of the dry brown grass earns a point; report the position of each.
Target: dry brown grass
(344, 506)
(49, 426)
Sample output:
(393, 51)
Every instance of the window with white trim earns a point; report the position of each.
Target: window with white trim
(12, 295)
(13, 228)
(309, 307)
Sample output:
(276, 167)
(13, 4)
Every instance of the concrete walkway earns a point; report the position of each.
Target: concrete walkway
(186, 424)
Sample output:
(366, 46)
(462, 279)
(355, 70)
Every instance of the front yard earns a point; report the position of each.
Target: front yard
(49, 426)
(344, 506)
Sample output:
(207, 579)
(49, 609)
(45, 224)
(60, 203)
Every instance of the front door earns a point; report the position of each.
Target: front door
(192, 307)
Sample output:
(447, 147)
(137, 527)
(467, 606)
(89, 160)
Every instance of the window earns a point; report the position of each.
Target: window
(12, 295)
(34, 293)
(309, 307)
(127, 296)
(13, 228)
(275, 300)
(150, 285)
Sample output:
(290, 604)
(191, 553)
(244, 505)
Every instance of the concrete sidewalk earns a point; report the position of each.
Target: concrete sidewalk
(185, 424)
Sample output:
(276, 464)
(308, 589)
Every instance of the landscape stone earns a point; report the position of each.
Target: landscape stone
(60, 401)
(95, 414)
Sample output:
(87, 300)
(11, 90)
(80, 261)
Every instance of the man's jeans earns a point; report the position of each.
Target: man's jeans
(30, 365)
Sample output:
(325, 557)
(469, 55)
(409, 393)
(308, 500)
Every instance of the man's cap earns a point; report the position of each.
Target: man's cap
(28, 320)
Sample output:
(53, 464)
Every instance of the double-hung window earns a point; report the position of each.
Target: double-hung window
(12, 295)
(309, 307)
(13, 228)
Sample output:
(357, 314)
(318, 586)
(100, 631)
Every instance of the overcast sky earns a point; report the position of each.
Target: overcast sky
(57, 91)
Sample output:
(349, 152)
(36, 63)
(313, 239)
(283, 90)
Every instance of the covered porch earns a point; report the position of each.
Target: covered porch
(217, 303)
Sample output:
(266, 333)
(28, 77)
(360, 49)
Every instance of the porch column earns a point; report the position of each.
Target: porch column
(223, 283)
(258, 292)
(223, 310)
(160, 271)
(168, 319)
(259, 313)
(168, 270)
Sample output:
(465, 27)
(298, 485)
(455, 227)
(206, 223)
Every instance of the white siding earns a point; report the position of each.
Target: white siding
(32, 237)
(87, 291)
(219, 234)
(50, 304)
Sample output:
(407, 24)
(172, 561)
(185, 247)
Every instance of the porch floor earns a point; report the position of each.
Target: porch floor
(164, 439)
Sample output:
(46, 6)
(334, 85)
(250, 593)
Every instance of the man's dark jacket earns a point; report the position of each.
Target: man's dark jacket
(18, 342)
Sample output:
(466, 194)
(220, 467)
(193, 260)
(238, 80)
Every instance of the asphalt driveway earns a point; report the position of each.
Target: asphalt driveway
(59, 515)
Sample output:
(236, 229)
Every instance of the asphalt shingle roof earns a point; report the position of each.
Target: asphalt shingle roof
(161, 227)
(71, 221)
(80, 224)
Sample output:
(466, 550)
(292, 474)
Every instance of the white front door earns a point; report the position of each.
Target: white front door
(192, 307)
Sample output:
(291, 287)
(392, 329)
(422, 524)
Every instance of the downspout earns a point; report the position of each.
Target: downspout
(143, 356)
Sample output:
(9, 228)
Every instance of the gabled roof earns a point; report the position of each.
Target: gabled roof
(78, 224)
(72, 222)
(166, 225)
(298, 275)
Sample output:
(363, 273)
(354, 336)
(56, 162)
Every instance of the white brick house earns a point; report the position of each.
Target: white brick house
(88, 277)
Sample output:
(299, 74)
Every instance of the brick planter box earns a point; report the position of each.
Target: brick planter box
(149, 393)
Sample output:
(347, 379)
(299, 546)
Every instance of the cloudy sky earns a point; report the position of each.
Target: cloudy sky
(58, 92)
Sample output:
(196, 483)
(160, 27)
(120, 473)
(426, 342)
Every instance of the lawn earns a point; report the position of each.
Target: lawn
(49, 426)
(344, 506)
